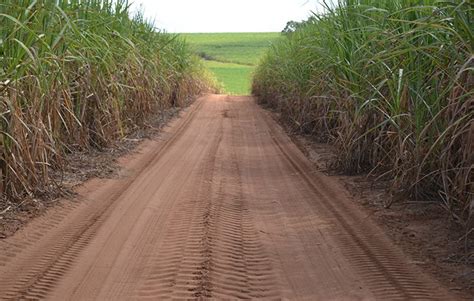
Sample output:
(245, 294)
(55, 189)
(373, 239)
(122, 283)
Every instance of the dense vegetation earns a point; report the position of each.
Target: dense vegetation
(231, 56)
(76, 74)
(390, 83)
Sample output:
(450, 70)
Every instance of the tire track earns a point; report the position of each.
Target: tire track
(378, 261)
(180, 254)
(211, 249)
(42, 266)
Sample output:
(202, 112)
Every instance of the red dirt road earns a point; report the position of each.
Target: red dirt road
(224, 206)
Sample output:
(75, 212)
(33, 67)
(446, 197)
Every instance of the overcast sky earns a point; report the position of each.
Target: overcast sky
(225, 15)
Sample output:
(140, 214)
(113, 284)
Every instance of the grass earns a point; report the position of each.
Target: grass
(78, 74)
(231, 56)
(390, 83)
(236, 78)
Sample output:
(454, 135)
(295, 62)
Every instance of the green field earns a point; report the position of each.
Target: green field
(232, 57)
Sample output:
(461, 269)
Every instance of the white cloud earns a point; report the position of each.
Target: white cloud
(225, 15)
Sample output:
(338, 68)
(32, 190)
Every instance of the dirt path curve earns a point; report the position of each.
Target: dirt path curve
(223, 206)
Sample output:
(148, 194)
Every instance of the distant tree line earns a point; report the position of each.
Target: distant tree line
(292, 26)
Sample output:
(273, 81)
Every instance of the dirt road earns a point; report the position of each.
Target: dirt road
(224, 205)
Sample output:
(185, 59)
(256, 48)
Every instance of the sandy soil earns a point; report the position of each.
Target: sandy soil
(224, 206)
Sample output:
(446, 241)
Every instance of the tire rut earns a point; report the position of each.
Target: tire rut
(41, 270)
(381, 265)
(211, 249)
